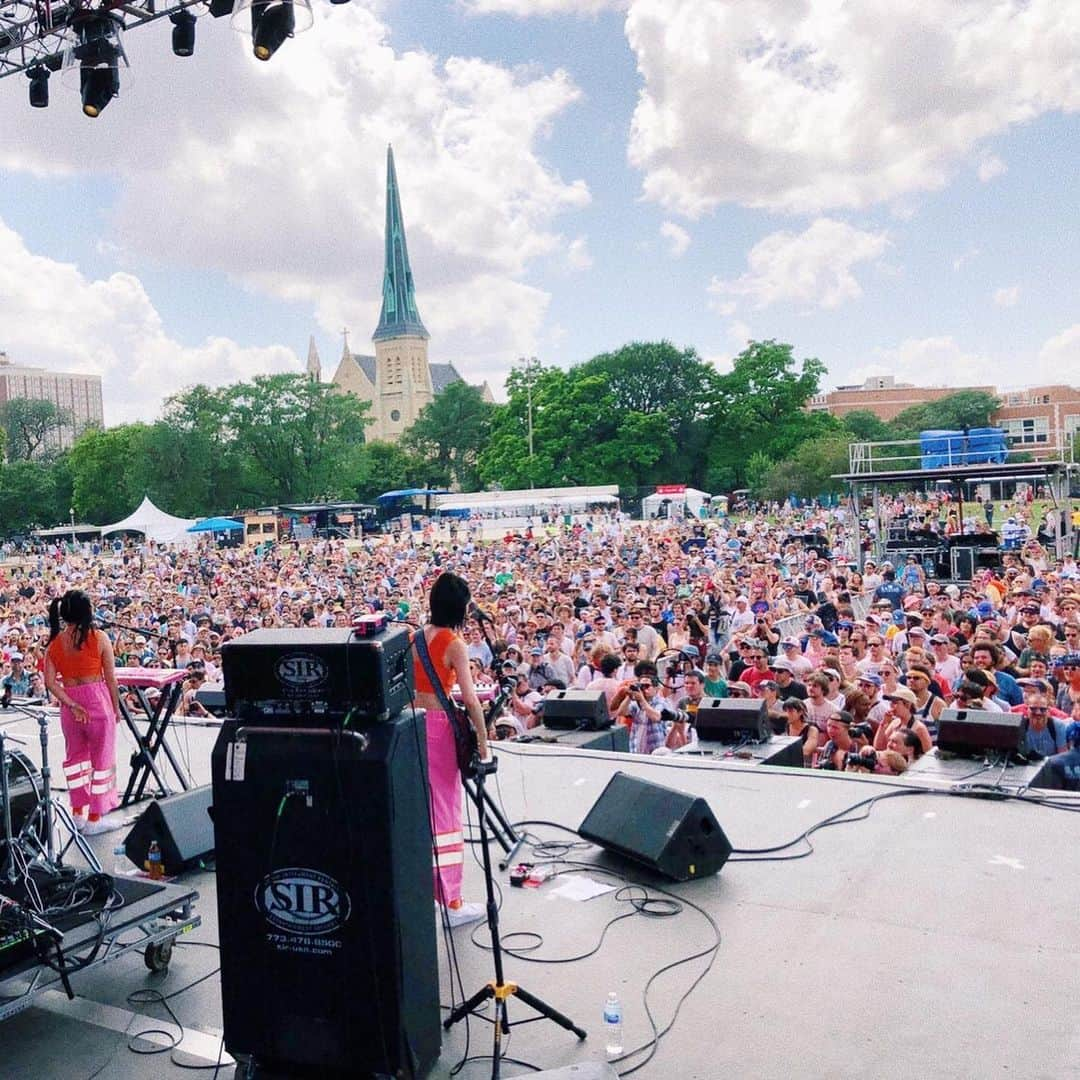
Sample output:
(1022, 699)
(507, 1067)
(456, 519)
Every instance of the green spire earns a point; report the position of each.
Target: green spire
(399, 317)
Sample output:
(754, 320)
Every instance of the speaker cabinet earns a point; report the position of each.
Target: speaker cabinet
(325, 904)
(966, 731)
(668, 831)
(733, 719)
(182, 827)
(582, 710)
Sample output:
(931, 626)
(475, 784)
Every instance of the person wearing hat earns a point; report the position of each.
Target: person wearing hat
(791, 650)
(715, 684)
(1069, 688)
(783, 672)
(17, 682)
(837, 742)
(538, 672)
(901, 714)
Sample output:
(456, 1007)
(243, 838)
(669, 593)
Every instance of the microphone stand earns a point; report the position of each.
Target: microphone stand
(104, 620)
(501, 829)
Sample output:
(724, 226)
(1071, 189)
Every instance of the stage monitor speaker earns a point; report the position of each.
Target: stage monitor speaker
(668, 831)
(965, 731)
(329, 965)
(732, 719)
(580, 710)
(962, 563)
(182, 827)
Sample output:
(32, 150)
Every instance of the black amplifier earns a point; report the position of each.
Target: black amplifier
(327, 674)
(966, 731)
(732, 719)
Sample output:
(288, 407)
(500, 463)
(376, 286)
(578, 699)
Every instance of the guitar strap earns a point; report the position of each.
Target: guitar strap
(453, 713)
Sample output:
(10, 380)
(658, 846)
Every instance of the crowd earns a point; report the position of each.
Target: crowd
(657, 615)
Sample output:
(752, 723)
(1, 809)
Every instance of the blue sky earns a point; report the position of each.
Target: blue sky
(888, 190)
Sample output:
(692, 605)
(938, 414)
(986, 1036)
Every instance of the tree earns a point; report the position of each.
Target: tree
(866, 426)
(103, 480)
(379, 466)
(970, 408)
(760, 405)
(809, 472)
(27, 496)
(30, 424)
(450, 432)
(295, 437)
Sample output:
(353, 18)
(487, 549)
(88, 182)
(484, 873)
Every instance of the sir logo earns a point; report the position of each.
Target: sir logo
(301, 670)
(302, 901)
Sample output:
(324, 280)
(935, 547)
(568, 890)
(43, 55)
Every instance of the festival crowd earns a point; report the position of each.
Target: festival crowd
(658, 615)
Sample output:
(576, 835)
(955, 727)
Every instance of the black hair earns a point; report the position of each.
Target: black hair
(645, 667)
(75, 609)
(609, 664)
(449, 601)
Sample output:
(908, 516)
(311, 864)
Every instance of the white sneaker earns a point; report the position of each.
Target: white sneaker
(80, 822)
(94, 828)
(466, 914)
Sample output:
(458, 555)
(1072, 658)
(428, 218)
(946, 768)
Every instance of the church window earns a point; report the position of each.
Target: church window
(395, 415)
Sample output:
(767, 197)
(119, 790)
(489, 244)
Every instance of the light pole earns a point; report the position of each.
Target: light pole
(71, 512)
(530, 368)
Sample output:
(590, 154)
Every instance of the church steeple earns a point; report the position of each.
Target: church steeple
(399, 316)
(314, 365)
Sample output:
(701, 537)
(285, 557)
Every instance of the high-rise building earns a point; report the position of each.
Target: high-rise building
(398, 380)
(77, 396)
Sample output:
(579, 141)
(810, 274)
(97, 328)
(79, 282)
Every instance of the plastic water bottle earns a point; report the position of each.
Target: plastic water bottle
(121, 866)
(154, 865)
(612, 1025)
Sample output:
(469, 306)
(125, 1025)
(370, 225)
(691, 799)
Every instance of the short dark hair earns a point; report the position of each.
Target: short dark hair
(449, 601)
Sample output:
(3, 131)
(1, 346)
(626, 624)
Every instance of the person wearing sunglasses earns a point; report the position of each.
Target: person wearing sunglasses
(642, 706)
(1043, 734)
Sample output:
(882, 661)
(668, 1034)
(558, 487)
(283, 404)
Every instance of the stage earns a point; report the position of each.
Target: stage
(939, 937)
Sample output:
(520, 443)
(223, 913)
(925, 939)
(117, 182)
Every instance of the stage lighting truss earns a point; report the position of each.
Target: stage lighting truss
(38, 33)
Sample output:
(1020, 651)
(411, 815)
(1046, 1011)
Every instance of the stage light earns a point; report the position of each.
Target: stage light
(183, 35)
(39, 86)
(96, 56)
(273, 22)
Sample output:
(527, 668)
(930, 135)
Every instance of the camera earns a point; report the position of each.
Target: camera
(861, 731)
(635, 687)
(854, 760)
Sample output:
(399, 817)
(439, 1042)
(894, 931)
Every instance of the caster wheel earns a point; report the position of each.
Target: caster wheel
(157, 956)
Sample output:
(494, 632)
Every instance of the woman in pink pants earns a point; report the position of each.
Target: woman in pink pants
(79, 673)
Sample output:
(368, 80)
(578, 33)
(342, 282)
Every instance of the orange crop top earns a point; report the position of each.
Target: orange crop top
(437, 647)
(81, 663)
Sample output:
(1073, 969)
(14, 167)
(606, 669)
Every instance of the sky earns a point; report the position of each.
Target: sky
(890, 186)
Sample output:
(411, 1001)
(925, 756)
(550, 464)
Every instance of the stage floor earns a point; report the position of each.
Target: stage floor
(938, 938)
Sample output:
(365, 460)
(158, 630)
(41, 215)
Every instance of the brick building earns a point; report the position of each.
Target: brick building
(79, 396)
(1033, 416)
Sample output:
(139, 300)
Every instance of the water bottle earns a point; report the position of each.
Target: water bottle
(612, 1025)
(121, 866)
(154, 865)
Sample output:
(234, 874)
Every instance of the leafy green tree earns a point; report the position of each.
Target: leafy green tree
(866, 426)
(809, 472)
(758, 469)
(760, 405)
(104, 486)
(295, 437)
(30, 424)
(27, 496)
(972, 408)
(379, 466)
(450, 433)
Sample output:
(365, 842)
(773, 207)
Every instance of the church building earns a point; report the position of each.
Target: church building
(398, 380)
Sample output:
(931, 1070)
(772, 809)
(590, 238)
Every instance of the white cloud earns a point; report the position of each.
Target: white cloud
(931, 361)
(964, 258)
(814, 105)
(990, 167)
(678, 239)
(812, 268)
(274, 173)
(1007, 295)
(55, 317)
(577, 255)
(1058, 359)
(524, 8)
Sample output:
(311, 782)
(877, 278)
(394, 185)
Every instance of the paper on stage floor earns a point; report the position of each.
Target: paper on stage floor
(580, 887)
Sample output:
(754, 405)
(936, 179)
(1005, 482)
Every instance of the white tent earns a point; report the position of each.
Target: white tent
(155, 525)
(685, 503)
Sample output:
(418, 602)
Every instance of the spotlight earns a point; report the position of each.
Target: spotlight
(98, 86)
(273, 22)
(183, 35)
(96, 56)
(39, 86)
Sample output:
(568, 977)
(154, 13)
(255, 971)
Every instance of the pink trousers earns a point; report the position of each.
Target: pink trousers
(444, 779)
(90, 764)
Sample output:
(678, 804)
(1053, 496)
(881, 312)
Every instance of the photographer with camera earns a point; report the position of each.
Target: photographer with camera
(834, 754)
(640, 704)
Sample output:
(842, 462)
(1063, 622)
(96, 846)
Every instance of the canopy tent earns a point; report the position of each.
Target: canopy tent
(674, 503)
(215, 524)
(154, 524)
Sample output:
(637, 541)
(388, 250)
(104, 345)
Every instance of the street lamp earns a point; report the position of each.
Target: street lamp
(531, 364)
(71, 513)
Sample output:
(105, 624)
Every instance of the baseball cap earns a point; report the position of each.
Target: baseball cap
(714, 658)
(940, 639)
(870, 677)
(902, 693)
(781, 665)
(15, 656)
(740, 687)
(841, 716)
(791, 643)
(536, 651)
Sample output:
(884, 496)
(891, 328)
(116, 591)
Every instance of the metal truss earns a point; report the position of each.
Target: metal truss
(36, 32)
